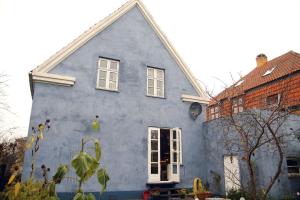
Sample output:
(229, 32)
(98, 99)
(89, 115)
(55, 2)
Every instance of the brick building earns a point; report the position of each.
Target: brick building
(271, 82)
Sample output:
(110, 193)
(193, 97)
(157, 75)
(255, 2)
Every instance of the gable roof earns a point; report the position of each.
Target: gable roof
(41, 73)
(272, 70)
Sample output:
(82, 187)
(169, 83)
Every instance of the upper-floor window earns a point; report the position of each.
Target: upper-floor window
(273, 100)
(107, 74)
(237, 105)
(214, 112)
(293, 165)
(155, 82)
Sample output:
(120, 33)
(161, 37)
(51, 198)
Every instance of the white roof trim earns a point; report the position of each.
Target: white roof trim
(53, 78)
(98, 27)
(190, 98)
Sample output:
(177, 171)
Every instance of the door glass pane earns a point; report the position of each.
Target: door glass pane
(154, 134)
(175, 146)
(174, 169)
(114, 65)
(174, 157)
(154, 145)
(154, 168)
(174, 135)
(103, 64)
(154, 156)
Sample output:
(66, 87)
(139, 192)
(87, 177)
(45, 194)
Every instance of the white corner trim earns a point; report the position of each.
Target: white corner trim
(190, 98)
(53, 79)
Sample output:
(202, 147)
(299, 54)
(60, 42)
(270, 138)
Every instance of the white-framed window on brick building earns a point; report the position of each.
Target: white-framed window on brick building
(273, 100)
(214, 112)
(155, 82)
(107, 74)
(237, 105)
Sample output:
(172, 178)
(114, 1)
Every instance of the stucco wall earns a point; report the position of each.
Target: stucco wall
(265, 160)
(125, 115)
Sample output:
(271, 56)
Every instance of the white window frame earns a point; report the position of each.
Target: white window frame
(108, 70)
(155, 79)
(237, 105)
(155, 178)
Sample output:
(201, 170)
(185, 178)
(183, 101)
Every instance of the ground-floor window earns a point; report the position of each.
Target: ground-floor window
(293, 165)
(164, 154)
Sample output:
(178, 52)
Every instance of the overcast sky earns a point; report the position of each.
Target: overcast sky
(214, 37)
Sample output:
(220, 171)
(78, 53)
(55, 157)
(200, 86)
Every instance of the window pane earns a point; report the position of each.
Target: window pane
(102, 74)
(174, 169)
(154, 134)
(212, 110)
(241, 109)
(160, 93)
(154, 156)
(154, 168)
(159, 84)
(240, 101)
(112, 85)
(102, 83)
(154, 145)
(113, 76)
(160, 74)
(151, 72)
(293, 170)
(114, 65)
(235, 110)
(151, 91)
(103, 63)
(150, 83)
(291, 162)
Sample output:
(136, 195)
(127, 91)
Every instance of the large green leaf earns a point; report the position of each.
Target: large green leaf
(85, 165)
(61, 171)
(97, 149)
(103, 178)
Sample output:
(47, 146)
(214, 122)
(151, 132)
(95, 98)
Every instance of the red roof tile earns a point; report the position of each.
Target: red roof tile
(283, 65)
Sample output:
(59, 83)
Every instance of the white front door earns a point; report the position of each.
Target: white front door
(154, 155)
(231, 173)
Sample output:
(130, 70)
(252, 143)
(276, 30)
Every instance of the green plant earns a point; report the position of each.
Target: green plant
(85, 166)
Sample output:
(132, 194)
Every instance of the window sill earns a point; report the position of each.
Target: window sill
(108, 90)
(156, 97)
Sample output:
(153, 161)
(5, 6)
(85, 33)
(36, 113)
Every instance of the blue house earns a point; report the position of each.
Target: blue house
(125, 70)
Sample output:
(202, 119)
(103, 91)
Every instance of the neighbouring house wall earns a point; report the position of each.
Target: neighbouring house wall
(265, 161)
(124, 115)
(256, 98)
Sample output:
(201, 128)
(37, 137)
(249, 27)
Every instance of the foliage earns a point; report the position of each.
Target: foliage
(34, 142)
(85, 166)
(33, 190)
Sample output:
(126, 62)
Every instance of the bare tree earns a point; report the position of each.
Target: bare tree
(255, 130)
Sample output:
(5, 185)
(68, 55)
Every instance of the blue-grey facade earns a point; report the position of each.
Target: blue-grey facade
(265, 160)
(125, 115)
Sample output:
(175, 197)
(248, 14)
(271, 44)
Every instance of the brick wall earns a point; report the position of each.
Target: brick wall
(288, 88)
